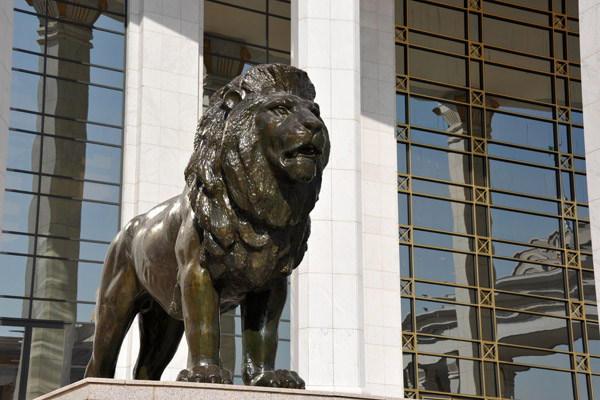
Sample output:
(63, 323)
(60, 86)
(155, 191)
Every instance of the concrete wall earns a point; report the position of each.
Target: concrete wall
(6, 33)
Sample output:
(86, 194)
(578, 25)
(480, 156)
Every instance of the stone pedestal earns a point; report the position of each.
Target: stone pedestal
(117, 389)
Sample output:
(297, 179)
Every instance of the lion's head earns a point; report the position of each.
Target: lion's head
(259, 153)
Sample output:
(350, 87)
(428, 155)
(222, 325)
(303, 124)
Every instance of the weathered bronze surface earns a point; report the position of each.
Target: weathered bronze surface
(231, 238)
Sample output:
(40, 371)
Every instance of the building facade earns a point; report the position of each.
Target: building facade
(451, 253)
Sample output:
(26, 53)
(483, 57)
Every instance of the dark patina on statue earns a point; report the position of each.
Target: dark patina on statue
(231, 238)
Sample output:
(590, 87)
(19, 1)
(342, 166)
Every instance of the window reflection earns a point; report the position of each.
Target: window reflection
(431, 163)
(525, 228)
(440, 215)
(436, 318)
(522, 178)
(516, 36)
(535, 383)
(499, 200)
(442, 116)
(534, 357)
(67, 88)
(450, 375)
(446, 266)
(525, 203)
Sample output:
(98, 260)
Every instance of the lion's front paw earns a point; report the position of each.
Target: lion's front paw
(205, 373)
(280, 378)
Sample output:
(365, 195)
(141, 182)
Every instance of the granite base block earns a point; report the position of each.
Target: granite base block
(118, 389)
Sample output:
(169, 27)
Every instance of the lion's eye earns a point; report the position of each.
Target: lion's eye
(280, 110)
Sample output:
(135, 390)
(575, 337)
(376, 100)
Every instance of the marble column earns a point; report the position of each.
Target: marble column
(382, 321)
(327, 336)
(163, 85)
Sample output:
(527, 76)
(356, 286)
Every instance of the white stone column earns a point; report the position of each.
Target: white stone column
(163, 88)
(589, 12)
(6, 33)
(383, 330)
(327, 289)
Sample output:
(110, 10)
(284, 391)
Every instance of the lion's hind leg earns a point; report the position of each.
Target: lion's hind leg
(115, 310)
(159, 338)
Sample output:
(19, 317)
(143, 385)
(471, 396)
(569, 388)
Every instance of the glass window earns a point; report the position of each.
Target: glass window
(534, 357)
(439, 164)
(537, 383)
(442, 116)
(514, 153)
(24, 151)
(519, 60)
(444, 240)
(442, 345)
(442, 215)
(578, 141)
(253, 30)
(14, 243)
(404, 261)
(521, 227)
(25, 30)
(581, 185)
(521, 107)
(438, 67)
(400, 59)
(444, 266)
(403, 211)
(442, 91)
(520, 252)
(455, 192)
(400, 108)
(456, 375)
(75, 158)
(12, 338)
(573, 43)
(444, 292)
(438, 43)
(511, 325)
(439, 140)
(15, 277)
(103, 105)
(524, 203)
(519, 276)
(75, 189)
(520, 130)
(516, 13)
(530, 303)
(516, 36)
(522, 178)
(518, 83)
(437, 19)
(24, 90)
(17, 209)
(436, 318)
(401, 158)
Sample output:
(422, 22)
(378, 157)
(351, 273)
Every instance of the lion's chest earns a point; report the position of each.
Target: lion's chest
(242, 269)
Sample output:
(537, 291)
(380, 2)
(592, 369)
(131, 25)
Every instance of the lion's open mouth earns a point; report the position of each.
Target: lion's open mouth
(306, 151)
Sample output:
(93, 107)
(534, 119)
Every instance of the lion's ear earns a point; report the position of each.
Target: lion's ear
(233, 96)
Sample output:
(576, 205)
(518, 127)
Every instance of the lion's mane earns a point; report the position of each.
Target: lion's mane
(238, 203)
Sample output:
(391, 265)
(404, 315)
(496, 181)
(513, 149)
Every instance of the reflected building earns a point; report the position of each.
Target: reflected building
(451, 250)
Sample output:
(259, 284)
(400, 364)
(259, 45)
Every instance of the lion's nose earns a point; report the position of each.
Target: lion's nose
(312, 123)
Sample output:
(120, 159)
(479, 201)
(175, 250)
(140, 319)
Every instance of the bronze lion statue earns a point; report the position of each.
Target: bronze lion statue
(231, 238)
